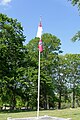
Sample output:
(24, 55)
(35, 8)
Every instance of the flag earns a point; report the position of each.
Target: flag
(39, 34)
(40, 46)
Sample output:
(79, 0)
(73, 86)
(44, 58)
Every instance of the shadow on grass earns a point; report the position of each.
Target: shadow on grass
(15, 111)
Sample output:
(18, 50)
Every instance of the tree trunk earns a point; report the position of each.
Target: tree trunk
(59, 103)
(73, 104)
(45, 96)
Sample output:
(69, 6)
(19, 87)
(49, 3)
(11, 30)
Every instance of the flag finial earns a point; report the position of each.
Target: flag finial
(40, 24)
(40, 18)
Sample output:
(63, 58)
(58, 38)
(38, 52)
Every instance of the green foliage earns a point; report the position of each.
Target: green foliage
(73, 74)
(51, 46)
(76, 37)
(59, 74)
(75, 2)
(11, 57)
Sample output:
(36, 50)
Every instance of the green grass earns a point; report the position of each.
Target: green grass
(64, 113)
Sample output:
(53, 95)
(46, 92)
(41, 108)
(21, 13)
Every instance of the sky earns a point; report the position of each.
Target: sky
(59, 18)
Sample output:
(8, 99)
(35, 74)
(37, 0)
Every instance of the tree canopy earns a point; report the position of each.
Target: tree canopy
(75, 2)
(76, 37)
(11, 57)
(59, 77)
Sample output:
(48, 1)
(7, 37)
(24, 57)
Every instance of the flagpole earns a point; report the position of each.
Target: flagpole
(38, 86)
(39, 33)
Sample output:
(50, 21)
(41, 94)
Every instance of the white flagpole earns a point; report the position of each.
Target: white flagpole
(39, 33)
(38, 86)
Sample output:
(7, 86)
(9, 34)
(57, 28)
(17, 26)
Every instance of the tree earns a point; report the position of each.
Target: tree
(60, 80)
(12, 53)
(77, 35)
(51, 46)
(73, 75)
(75, 2)
(67, 80)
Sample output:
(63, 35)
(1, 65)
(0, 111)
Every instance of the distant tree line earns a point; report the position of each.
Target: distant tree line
(60, 74)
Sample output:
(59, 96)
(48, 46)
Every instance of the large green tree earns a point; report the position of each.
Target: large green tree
(51, 48)
(11, 57)
(60, 80)
(73, 75)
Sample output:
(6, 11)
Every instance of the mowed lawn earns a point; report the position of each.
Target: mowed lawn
(64, 113)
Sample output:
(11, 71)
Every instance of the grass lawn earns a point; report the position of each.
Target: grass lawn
(64, 113)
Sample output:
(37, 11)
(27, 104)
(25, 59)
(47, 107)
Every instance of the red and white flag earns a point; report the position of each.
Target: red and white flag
(40, 46)
(39, 34)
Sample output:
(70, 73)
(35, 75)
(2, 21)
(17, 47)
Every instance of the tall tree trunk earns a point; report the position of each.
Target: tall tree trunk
(45, 96)
(59, 103)
(73, 104)
(14, 102)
